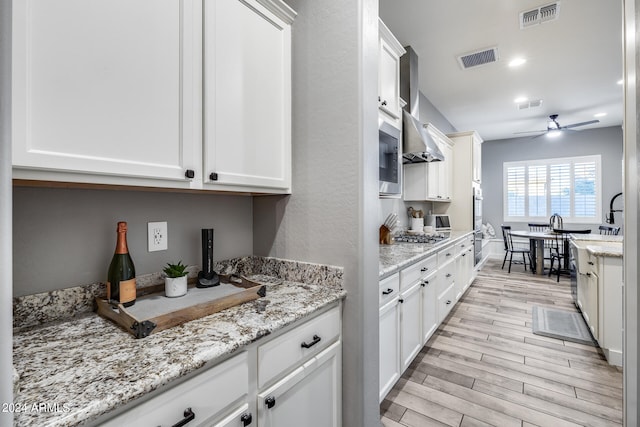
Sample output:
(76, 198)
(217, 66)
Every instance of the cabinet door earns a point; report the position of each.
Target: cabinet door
(410, 323)
(389, 367)
(104, 87)
(309, 396)
(389, 78)
(241, 417)
(247, 97)
(590, 312)
(429, 307)
(477, 161)
(445, 172)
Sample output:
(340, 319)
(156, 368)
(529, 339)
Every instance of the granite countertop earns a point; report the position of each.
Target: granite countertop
(396, 256)
(599, 245)
(86, 366)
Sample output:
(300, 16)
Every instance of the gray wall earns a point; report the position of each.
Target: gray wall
(604, 141)
(331, 217)
(66, 237)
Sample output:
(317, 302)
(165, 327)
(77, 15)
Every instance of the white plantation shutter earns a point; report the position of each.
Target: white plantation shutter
(584, 184)
(537, 193)
(515, 191)
(569, 187)
(560, 189)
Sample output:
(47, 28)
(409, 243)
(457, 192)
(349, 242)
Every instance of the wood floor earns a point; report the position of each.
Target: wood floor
(484, 366)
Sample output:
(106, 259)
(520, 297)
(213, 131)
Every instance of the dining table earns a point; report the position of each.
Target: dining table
(536, 241)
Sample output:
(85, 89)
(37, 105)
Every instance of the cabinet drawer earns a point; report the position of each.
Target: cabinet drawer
(446, 276)
(200, 393)
(445, 255)
(462, 246)
(389, 289)
(412, 274)
(446, 301)
(282, 353)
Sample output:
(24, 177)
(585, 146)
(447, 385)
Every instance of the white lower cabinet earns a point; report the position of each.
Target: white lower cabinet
(198, 398)
(427, 293)
(292, 379)
(410, 323)
(309, 396)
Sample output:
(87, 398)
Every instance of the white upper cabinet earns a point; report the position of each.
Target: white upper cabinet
(247, 98)
(432, 180)
(389, 75)
(120, 92)
(98, 87)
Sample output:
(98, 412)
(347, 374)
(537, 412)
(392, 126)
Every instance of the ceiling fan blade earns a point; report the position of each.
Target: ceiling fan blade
(590, 122)
(538, 136)
(531, 131)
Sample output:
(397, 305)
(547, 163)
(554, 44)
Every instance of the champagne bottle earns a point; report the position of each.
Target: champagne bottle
(121, 279)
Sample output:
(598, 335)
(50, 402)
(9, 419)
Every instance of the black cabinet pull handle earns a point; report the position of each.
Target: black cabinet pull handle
(463, 254)
(316, 340)
(448, 275)
(384, 102)
(189, 173)
(448, 254)
(423, 284)
(270, 402)
(387, 292)
(400, 300)
(189, 415)
(213, 176)
(590, 263)
(246, 419)
(448, 302)
(423, 269)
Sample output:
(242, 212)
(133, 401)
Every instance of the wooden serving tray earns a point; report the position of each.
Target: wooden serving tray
(154, 312)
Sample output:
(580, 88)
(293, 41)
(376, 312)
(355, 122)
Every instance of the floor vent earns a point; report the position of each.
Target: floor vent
(539, 15)
(529, 104)
(482, 57)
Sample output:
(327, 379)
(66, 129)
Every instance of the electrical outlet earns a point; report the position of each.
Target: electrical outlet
(157, 236)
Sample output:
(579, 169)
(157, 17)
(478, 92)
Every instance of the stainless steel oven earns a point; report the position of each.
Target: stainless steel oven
(390, 160)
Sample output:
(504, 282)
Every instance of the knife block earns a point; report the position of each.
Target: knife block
(385, 235)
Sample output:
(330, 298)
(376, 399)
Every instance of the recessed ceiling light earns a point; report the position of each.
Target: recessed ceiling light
(600, 115)
(620, 81)
(517, 62)
(520, 99)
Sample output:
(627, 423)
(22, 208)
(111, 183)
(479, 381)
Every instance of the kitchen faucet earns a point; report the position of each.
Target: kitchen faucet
(611, 219)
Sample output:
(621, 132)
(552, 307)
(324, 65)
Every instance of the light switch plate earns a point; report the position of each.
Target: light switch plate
(157, 236)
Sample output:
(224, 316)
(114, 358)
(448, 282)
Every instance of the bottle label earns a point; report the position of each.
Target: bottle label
(127, 290)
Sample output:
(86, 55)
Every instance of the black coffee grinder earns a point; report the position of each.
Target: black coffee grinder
(207, 278)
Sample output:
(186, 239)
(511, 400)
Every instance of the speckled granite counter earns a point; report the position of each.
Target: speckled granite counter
(85, 366)
(397, 256)
(599, 245)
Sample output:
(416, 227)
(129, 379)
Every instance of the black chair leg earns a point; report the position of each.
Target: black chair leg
(510, 260)
(524, 261)
(551, 266)
(506, 253)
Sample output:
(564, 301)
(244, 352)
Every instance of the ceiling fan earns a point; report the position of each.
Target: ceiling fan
(553, 127)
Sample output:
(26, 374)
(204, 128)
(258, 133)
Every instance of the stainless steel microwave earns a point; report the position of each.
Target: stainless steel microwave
(390, 160)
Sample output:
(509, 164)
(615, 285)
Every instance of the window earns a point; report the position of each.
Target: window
(570, 187)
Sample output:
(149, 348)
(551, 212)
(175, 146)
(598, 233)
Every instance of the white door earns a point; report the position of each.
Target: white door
(310, 396)
(389, 364)
(247, 97)
(104, 87)
(429, 307)
(410, 323)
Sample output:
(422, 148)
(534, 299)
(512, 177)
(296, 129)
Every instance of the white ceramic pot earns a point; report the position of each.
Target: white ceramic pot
(175, 286)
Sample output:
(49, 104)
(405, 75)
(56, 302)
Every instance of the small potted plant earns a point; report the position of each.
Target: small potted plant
(175, 284)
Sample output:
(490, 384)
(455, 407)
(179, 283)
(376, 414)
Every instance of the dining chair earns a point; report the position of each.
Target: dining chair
(510, 248)
(609, 230)
(560, 250)
(542, 227)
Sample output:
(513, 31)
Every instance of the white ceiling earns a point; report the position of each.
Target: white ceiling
(573, 63)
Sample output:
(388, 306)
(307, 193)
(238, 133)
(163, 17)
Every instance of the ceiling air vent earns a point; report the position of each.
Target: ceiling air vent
(482, 57)
(539, 15)
(529, 104)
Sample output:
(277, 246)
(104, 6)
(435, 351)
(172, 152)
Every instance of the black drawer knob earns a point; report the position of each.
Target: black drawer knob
(213, 176)
(190, 173)
(270, 402)
(246, 419)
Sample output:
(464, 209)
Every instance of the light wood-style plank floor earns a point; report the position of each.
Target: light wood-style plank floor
(484, 366)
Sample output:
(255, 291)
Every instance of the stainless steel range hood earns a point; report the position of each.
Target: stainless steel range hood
(418, 146)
